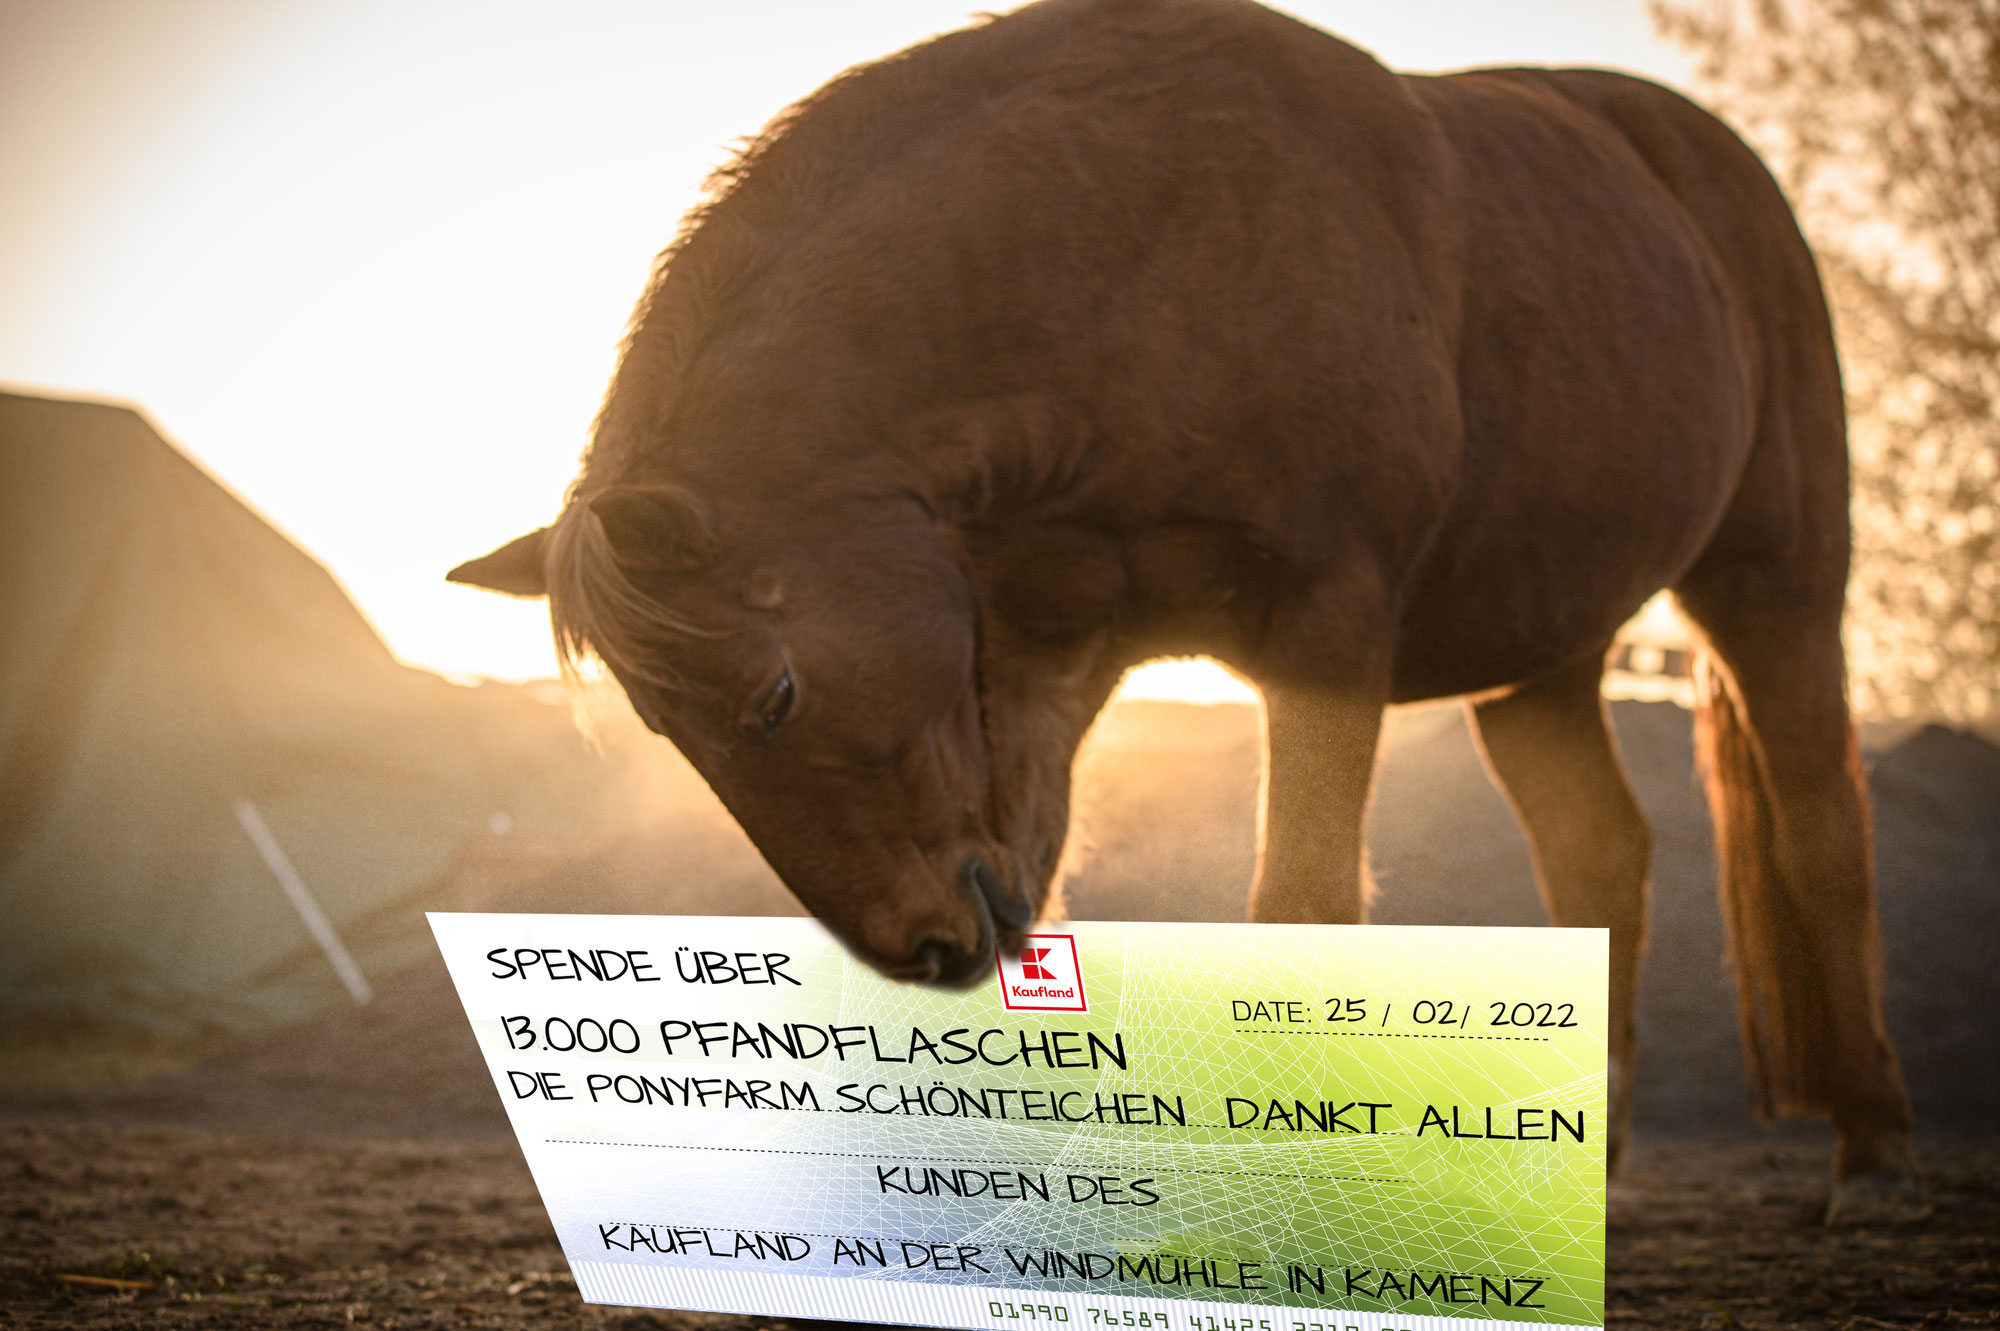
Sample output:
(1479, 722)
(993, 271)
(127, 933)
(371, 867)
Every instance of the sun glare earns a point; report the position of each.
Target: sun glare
(1194, 679)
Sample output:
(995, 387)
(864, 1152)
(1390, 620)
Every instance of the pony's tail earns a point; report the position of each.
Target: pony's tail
(1777, 996)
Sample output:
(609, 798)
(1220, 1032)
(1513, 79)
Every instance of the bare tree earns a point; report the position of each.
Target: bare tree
(1882, 118)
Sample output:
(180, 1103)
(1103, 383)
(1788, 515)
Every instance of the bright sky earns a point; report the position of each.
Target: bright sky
(369, 260)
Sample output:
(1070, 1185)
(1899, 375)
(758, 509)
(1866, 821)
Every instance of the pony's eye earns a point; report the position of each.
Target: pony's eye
(776, 704)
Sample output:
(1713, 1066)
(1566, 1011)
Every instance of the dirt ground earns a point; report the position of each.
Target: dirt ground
(358, 1169)
(107, 1225)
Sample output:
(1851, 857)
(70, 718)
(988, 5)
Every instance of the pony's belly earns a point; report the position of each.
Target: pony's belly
(1499, 606)
(1431, 670)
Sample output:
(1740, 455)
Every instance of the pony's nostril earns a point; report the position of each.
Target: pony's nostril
(949, 963)
(935, 957)
(1009, 911)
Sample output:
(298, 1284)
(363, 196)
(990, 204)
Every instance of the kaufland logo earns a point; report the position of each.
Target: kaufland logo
(1046, 977)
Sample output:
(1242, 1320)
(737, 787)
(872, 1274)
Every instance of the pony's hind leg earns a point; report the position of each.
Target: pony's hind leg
(1548, 746)
(1790, 806)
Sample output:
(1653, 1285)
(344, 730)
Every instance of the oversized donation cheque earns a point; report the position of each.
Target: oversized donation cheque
(1171, 1127)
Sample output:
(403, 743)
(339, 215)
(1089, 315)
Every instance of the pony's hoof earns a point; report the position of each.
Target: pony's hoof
(1885, 1197)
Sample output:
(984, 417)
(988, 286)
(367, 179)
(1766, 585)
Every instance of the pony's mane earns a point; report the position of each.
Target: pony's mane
(785, 176)
(792, 174)
(597, 611)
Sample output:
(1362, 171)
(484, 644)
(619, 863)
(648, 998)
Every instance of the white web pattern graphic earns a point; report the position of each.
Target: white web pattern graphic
(1391, 1201)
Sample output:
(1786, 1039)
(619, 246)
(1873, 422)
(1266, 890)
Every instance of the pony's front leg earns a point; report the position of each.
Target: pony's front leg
(1319, 758)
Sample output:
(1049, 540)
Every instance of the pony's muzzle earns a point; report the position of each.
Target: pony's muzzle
(1001, 917)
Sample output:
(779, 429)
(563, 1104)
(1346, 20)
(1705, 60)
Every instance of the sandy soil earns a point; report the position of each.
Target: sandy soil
(116, 1226)
(357, 1169)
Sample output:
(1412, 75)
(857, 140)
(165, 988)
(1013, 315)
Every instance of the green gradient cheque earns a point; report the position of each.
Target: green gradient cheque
(1175, 1127)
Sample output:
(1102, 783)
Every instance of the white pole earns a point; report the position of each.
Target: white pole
(302, 901)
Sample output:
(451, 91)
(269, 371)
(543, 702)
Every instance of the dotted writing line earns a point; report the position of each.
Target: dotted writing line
(965, 1160)
(1396, 1035)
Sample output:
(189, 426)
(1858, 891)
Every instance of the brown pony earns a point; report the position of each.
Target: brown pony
(1106, 331)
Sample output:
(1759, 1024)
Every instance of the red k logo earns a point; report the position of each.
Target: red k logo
(1047, 977)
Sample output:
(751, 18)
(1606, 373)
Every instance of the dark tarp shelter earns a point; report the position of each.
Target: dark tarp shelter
(164, 655)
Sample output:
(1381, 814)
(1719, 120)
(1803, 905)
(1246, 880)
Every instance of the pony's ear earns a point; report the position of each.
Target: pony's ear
(653, 528)
(988, 457)
(515, 568)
